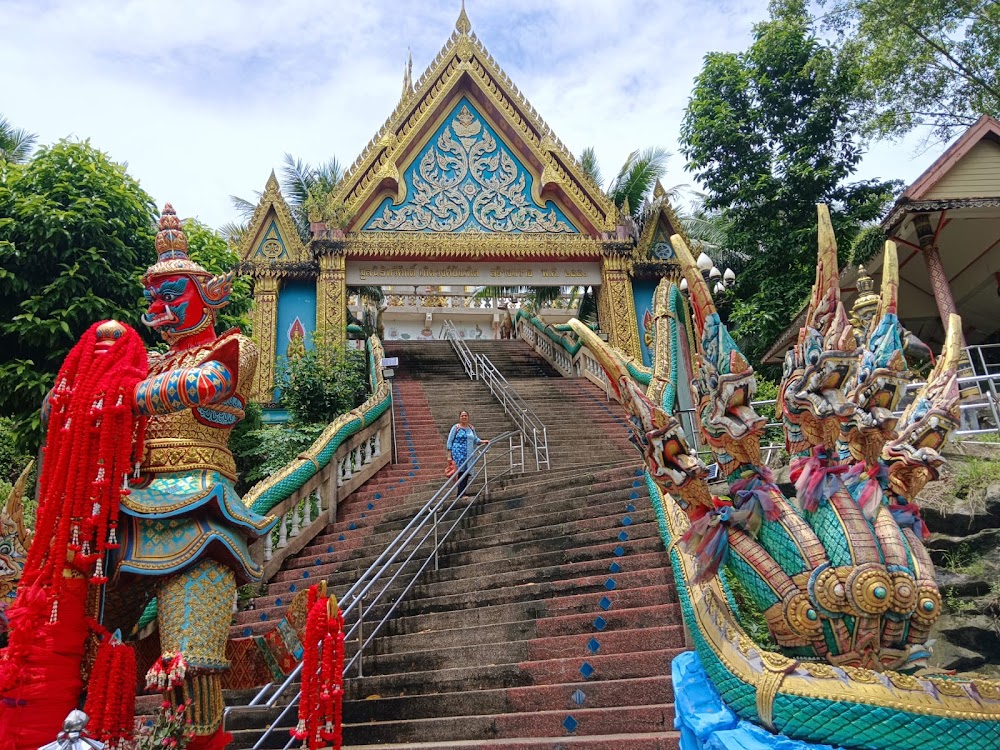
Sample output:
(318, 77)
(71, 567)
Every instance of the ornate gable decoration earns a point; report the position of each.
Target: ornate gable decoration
(662, 222)
(466, 179)
(464, 58)
(272, 236)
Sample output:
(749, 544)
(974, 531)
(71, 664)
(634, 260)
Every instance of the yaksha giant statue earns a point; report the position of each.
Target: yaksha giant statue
(185, 529)
(177, 529)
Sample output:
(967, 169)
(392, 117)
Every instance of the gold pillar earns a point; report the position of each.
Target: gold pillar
(616, 305)
(331, 297)
(265, 331)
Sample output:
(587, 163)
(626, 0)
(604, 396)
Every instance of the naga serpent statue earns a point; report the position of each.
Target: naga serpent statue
(838, 570)
(137, 500)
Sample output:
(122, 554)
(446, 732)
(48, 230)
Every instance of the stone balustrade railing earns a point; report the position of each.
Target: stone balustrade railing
(308, 510)
(305, 492)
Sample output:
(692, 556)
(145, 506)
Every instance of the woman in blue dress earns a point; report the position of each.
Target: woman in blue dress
(462, 441)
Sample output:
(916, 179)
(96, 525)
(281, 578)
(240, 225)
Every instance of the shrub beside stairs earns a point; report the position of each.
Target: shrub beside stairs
(553, 618)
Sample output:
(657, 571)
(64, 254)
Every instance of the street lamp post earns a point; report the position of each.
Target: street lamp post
(718, 281)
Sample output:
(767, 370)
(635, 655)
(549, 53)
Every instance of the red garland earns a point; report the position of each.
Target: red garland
(111, 697)
(94, 438)
(320, 707)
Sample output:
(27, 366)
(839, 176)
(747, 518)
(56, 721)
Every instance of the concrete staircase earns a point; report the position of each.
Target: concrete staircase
(552, 620)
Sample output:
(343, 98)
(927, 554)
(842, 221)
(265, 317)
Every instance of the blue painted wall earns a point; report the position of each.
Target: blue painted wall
(642, 296)
(296, 299)
(465, 179)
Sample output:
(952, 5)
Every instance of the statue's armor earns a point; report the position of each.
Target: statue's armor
(185, 506)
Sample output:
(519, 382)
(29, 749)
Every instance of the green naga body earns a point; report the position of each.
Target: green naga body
(839, 569)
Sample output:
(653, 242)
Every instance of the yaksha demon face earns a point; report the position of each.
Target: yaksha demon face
(183, 297)
(176, 308)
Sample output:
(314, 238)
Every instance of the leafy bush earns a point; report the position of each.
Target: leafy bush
(263, 452)
(12, 460)
(768, 390)
(323, 383)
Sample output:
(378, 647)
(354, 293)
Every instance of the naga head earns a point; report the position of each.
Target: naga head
(882, 373)
(14, 539)
(674, 466)
(914, 457)
(183, 296)
(725, 382)
(822, 364)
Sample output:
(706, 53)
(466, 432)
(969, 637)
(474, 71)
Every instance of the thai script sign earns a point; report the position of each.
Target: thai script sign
(364, 273)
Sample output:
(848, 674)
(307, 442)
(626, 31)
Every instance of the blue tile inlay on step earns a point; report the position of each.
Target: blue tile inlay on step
(634, 496)
(627, 521)
(352, 526)
(363, 515)
(263, 616)
(610, 584)
(570, 723)
(277, 602)
(619, 551)
(605, 603)
(593, 645)
(615, 568)
(341, 538)
(579, 697)
(378, 495)
(319, 561)
(630, 508)
(247, 631)
(329, 548)
(586, 670)
(600, 623)
(371, 506)
(292, 588)
(306, 574)
(623, 536)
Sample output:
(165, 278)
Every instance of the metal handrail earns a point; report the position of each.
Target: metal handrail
(516, 408)
(434, 522)
(461, 349)
(479, 366)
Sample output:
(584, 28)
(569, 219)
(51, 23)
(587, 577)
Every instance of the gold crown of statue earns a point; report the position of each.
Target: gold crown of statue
(172, 246)
(866, 290)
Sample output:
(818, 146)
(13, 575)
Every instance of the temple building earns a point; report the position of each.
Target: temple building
(463, 187)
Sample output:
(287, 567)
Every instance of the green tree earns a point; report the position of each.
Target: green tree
(768, 132)
(210, 249)
(76, 232)
(16, 144)
(932, 63)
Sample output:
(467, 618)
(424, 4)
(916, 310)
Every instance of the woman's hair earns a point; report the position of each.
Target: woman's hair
(463, 412)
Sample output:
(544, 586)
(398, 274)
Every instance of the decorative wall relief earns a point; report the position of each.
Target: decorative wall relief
(271, 246)
(467, 179)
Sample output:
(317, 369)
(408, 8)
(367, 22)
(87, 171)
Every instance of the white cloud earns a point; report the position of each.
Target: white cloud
(202, 98)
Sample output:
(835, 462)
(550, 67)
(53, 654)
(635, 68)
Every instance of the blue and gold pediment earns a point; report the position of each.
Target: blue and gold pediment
(661, 249)
(271, 245)
(466, 179)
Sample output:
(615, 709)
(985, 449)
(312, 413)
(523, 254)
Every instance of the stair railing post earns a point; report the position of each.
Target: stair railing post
(361, 636)
(435, 527)
(534, 441)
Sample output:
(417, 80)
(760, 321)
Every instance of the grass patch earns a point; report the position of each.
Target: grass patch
(750, 616)
(965, 561)
(971, 480)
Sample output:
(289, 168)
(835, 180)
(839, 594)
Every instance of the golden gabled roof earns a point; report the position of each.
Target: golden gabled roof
(661, 208)
(272, 204)
(463, 53)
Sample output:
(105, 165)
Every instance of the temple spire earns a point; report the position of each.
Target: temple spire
(463, 25)
(408, 75)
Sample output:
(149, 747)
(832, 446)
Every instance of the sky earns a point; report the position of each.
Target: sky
(201, 98)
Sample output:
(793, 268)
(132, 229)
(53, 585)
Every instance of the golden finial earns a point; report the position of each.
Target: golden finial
(408, 74)
(463, 25)
(863, 309)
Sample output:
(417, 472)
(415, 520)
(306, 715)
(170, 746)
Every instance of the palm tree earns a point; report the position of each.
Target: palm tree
(637, 177)
(708, 230)
(16, 144)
